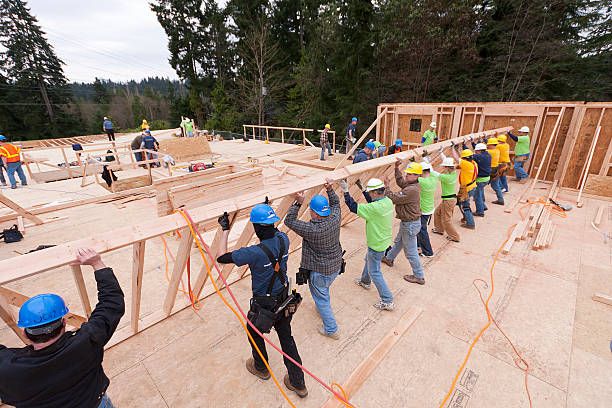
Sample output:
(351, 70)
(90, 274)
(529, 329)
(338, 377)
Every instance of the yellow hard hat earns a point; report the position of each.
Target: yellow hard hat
(492, 141)
(414, 168)
(144, 121)
(327, 126)
(501, 138)
(466, 153)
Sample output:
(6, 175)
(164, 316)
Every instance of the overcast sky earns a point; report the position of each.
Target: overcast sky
(112, 39)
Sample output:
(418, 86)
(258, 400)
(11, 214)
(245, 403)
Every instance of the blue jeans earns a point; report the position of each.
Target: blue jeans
(319, 289)
(496, 185)
(406, 239)
(519, 172)
(329, 152)
(423, 236)
(189, 134)
(106, 402)
(2, 170)
(372, 273)
(11, 168)
(479, 197)
(503, 182)
(467, 210)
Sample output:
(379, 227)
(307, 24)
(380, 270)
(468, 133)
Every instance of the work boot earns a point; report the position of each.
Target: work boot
(13, 187)
(498, 202)
(250, 365)
(478, 215)
(301, 392)
(4, 184)
(331, 154)
(358, 282)
(435, 231)
(452, 240)
(426, 256)
(387, 261)
(414, 279)
(322, 332)
(468, 226)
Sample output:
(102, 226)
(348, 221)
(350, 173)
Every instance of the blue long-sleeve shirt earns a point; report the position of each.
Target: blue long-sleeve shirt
(352, 204)
(514, 137)
(361, 156)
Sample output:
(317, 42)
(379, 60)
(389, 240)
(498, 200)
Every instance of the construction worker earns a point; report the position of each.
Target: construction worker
(136, 143)
(321, 251)
(378, 214)
(467, 183)
(495, 166)
(268, 263)
(504, 161)
(483, 160)
(443, 215)
(365, 154)
(150, 143)
(107, 126)
(144, 125)
(324, 140)
(189, 127)
(2, 168)
(430, 136)
(429, 182)
(63, 368)
(12, 162)
(521, 152)
(396, 148)
(408, 210)
(351, 136)
(380, 149)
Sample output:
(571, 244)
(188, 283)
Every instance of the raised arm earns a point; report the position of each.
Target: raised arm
(515, 138)
(303, 229)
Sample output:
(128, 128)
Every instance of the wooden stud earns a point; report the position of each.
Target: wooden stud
(7, 315)
(598, 297)
(77, 273)
(20, 225)
(138, 252)
(19, 209)
(369, 364)
(599, 215)
(182, 257)
(586, 169)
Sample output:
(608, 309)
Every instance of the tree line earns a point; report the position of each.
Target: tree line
(311, 62)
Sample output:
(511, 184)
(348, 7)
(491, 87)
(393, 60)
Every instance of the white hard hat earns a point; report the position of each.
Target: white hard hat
(105, 118)
(524, 129)
(480, 146)
(374, 184)
(432, 124)
(425, 166)
(448, 162)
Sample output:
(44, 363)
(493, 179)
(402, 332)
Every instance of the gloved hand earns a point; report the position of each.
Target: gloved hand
(343, 185)
(425, 153)
(452, 144)
(224, 221)
(358, 183)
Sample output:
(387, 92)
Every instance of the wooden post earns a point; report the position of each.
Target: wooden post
(182, 256)
(334, 142)
(66, 163)
(77, 273)
(244, 128)
(588, 165)
(138, 251)
(267, 136)
(116, 152)
(253, 132)
(304, 137)
(7, 315)
(282, 135)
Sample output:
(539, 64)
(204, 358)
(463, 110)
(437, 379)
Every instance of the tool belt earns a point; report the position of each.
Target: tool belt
(462, 194)
(447, 197)
(495, 173)
(303, 275)
(266, 311)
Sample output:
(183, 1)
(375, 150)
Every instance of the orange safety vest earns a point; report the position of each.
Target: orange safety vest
(11, 152)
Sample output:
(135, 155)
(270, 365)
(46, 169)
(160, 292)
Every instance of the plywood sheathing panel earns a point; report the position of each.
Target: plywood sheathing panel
(586, 132)
(186, 148)
(599, 185)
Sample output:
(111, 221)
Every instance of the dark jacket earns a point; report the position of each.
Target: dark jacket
(68, 373)
(360, 156)
(321, 250)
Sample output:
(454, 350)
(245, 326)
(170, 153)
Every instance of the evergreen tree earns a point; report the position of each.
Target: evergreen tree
(101, 95)
(138, 112)
(224, 115)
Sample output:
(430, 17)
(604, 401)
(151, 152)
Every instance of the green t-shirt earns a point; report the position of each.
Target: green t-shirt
(429, 136)
(449, 184)
(428, 190)
(483, 179)
(379, 222)
(189, 126)
(522, 146)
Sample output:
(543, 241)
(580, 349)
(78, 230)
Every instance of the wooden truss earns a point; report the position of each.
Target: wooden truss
(238, 206)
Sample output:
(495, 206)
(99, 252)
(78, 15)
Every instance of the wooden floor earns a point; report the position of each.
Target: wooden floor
(542, 301)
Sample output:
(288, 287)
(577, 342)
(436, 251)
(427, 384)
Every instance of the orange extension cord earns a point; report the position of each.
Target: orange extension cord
(520, 362)
(343, 399)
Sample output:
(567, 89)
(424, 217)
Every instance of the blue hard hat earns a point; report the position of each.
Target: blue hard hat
(263, 214)
(148, 132)
(41, 309)
(398, 142)
(320, 205)
(2, 137)
(370, 145)
(355, 119)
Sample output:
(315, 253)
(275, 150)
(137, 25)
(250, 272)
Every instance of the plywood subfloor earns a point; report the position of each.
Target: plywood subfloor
(542, 301)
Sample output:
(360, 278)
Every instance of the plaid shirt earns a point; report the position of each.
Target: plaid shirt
(323, 139)
(321, 250)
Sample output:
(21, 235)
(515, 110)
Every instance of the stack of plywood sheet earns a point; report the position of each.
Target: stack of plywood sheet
(186, 148)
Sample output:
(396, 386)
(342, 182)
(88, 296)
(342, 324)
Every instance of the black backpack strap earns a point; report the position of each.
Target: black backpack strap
(275, 264)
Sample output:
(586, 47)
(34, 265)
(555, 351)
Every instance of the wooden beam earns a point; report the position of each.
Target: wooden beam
(138, 252)
(182, 257)
(598, 297)
(19, 209)
(369, 364)
(588, 164)
(7, 315)
(77, 273)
